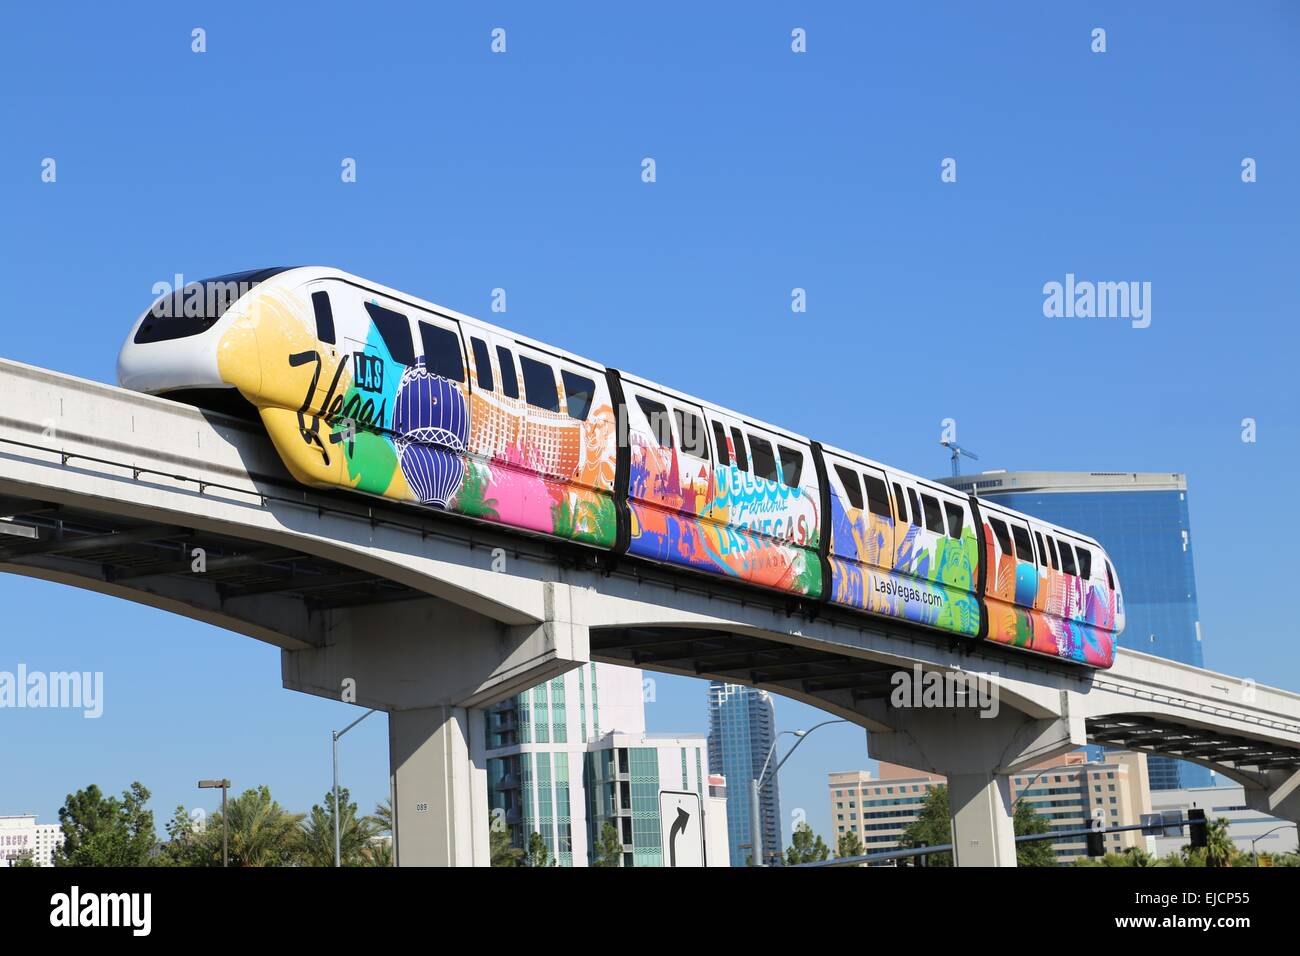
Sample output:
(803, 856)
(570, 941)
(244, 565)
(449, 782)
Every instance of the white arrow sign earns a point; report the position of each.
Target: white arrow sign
(681, 828)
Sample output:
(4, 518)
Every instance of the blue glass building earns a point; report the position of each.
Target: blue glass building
(742, 727)
(1141, 520)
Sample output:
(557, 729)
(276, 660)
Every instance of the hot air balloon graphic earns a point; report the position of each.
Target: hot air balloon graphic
(432, 425)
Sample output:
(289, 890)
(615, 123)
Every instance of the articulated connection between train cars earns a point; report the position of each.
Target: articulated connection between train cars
(366, 388)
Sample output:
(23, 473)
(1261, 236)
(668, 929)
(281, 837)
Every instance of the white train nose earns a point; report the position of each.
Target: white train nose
(161, 366)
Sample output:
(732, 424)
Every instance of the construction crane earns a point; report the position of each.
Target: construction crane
(957, 452)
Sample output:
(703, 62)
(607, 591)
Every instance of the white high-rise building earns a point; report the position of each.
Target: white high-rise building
(22, 836)
(572, 755)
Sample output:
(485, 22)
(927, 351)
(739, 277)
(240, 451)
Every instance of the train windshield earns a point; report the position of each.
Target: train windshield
(196, 306)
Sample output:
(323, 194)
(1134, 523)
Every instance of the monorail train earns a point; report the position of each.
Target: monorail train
(366, 388)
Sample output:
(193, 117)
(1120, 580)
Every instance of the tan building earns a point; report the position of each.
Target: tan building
(878, 810)
(1066, 790)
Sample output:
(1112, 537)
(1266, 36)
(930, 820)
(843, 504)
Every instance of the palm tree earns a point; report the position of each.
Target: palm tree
(355, 833)
(379, 852)
(1219, 848)
(262, 833)
(383, 816)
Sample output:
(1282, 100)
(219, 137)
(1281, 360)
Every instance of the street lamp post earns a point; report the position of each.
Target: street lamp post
(756, 785)
(1254, 851)
(336, 734)
(225, 817)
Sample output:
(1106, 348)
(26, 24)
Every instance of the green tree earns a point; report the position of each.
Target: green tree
(106, 831)
(378, 853)
(805, 847)
(504, 852)
(262, 833)
(538, 854)
(609, 849)
(849, 845)
(355, 833)
(1219, 849)
(1138, 856)
(188, 845)
(383, 816)
(1026, 820)
(23, 859)
(932, 827)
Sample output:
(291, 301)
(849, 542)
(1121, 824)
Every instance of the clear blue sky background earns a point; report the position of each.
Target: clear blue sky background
(775, 170)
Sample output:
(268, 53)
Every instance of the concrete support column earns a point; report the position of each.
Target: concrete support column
(439, 780)
(982, 830)
(976, 749)
(433, 666)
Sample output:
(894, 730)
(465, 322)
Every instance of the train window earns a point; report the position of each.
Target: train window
(1000, 532)
(933, 514)
(900, 502)
(442, 355)
(482, 364)
(852, 486)
(1110, 576)
(956, 519)
(395, 330)
(578, 393)
(1085, 561)
(1024, 547)
(1067, 559)
(1051, 553)
(1042, 549)
(760, 449)
(877, 496)
(690, 434)
(195, 308)
(509, 377)
(660, 424)
(916, 508)
(320, 303)
(737, 439)
(720, 440)
(791, 465)
(539, 384)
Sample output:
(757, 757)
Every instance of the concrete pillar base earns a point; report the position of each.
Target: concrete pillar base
(439, 780)
(982, 830)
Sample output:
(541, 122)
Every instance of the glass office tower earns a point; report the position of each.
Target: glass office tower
(1141, 520)
(742, 727)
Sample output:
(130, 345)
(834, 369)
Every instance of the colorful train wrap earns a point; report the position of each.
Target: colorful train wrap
(366, 388)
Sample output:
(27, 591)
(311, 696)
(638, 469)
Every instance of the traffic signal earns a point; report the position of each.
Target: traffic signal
(1196, 825)
(1097, 833)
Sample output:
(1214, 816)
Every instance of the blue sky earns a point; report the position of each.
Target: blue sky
(775, 170)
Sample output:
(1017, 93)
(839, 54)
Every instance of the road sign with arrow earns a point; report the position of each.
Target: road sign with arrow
(681, 827)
